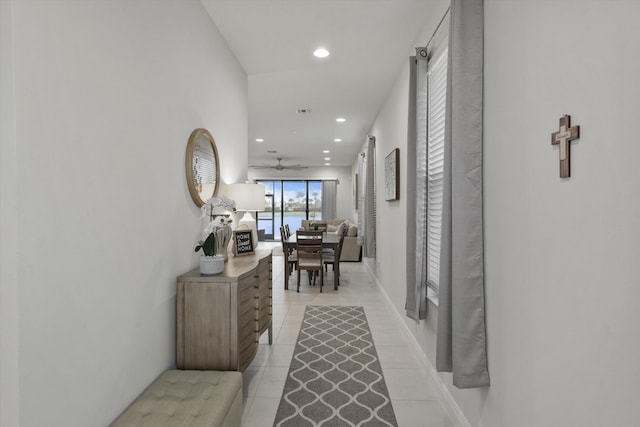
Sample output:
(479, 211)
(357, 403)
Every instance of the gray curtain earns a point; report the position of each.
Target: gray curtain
(329, 190)
(361, 198)
(416, 298)
(367, 212)
(461, 337)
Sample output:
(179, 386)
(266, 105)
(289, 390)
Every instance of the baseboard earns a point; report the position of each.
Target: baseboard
(453, 407)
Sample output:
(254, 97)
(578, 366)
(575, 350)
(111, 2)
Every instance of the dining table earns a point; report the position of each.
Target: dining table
(329, 241)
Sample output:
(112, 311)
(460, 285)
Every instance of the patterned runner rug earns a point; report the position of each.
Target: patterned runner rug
(335, 377)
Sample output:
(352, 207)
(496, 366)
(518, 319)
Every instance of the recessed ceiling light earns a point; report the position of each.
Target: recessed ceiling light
(327, 158)
(337, 140)
(327, 164)
(326, 151)
(259, 140)
(341, 120)
(321, 52)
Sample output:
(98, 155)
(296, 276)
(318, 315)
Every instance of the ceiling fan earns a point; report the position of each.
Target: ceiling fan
(279, 166)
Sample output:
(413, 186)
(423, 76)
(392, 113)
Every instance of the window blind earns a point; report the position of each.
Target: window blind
(437, 81)
(204, 166)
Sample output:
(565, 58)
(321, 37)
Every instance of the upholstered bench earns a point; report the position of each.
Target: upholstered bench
(187, 399)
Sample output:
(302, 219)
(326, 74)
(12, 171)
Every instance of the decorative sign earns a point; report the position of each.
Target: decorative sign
(242, 242)
(392, 175)
(565, 135)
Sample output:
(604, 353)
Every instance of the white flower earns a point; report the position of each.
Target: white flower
(215, 212)
(215, 224)
(218, 205)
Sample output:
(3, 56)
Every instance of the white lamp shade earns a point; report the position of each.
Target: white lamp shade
(248, 197)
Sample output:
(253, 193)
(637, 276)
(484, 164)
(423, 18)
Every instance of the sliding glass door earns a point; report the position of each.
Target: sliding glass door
(314, 197)
(289, 202)
(295, 203)
(272, 208)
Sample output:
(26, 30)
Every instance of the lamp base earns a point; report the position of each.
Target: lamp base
(250, 222)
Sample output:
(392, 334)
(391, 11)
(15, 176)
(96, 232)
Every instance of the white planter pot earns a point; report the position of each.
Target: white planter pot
(210, 265)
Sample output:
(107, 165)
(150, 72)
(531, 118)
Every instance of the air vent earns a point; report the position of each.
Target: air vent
(303, 111)
(271, 151)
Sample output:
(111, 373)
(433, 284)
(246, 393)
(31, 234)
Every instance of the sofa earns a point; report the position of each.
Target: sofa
(351, 250)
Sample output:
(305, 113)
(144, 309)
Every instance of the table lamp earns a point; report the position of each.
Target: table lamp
(248, 198)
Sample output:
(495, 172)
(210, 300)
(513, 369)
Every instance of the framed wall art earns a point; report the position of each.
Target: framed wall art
(392, 175)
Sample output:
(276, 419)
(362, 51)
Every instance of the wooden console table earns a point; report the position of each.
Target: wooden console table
(221, 318)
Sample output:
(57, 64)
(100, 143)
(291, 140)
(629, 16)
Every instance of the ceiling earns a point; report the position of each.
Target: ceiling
(274, 40)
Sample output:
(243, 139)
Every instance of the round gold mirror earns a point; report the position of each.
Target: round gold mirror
(202, 166)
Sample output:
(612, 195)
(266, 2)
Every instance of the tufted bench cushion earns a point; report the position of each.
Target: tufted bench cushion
(187, 399)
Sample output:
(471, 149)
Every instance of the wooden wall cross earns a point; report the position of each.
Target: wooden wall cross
(563, 137)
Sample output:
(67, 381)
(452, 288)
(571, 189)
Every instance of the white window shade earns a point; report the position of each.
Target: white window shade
(437, 81)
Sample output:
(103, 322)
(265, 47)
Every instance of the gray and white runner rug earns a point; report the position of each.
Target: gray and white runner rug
(335, 378)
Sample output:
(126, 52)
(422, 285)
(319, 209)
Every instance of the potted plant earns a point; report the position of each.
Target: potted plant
(212, 209)
(210, 263)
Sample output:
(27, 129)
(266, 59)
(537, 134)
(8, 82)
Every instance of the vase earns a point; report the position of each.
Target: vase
(210, 265)
(223, 237)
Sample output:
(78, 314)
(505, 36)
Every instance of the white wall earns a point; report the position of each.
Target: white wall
(561, 254)
(106, 96)
(344, 196)
(561, 282)
(9, 290)
(390, 131)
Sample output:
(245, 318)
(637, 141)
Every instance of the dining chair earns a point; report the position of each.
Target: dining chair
(309, 251)
(290, 254)
(331, 251)
(286, 229)
(333, 258)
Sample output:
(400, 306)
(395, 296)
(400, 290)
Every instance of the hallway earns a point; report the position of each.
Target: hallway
(415, 396)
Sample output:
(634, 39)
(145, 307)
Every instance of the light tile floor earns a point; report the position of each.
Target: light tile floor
(415, 398)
